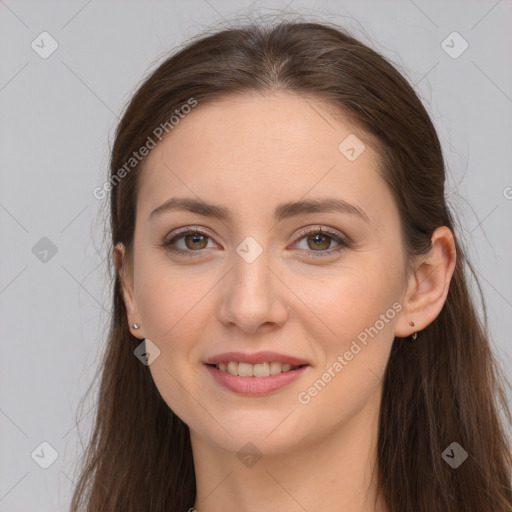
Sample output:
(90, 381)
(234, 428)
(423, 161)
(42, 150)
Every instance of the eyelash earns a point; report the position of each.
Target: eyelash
(343, 242)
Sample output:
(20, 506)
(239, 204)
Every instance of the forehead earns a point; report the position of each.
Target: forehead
(253, 149)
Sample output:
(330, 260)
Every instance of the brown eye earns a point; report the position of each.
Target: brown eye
(196, 241)
(319, 241)
(188, 242)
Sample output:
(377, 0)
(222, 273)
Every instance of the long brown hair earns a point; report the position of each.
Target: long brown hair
(447, 387)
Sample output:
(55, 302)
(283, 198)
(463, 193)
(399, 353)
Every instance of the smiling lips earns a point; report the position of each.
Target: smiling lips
(255, 374)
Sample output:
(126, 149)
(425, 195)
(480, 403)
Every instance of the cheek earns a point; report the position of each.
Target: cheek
(358, 310)
(168, 299)
(171, 307)
(353, 299)
(357, 314)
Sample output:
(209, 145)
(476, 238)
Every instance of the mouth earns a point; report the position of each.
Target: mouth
(259, 379)
(258, 370)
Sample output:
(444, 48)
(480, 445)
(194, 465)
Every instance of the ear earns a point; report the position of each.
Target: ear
(428, 285)
(125, 271)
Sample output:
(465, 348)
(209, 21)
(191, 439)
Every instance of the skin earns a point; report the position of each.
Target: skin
(249, 154)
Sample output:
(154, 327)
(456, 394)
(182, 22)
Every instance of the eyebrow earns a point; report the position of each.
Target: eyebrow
(282, 211)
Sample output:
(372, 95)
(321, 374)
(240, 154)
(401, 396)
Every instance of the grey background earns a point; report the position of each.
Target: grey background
(57, 121)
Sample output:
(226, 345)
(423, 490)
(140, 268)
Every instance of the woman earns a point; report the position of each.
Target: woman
(292, 327)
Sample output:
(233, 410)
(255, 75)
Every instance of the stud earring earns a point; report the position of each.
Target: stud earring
(135, 326)
(415, 335)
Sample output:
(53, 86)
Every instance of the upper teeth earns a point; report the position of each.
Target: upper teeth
(254, 370)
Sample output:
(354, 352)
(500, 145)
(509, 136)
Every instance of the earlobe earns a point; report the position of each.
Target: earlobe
(429, 284)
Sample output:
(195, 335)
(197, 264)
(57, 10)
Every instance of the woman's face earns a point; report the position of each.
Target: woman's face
(262, 278)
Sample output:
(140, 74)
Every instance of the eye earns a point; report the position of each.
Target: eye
(194, 240)
(318, 240)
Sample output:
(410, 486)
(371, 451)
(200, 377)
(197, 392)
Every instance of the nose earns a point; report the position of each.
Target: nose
(254, 296)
